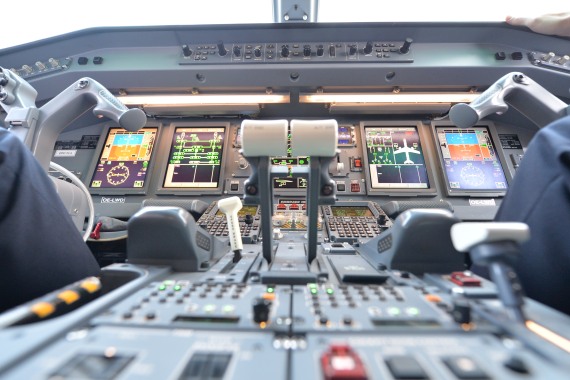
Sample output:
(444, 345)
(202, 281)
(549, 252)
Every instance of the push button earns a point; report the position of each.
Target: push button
(405, 367)
(464, 367)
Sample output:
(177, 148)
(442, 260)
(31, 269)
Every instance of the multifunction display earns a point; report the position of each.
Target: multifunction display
(195, 158)
(395, 158)
(124, 159)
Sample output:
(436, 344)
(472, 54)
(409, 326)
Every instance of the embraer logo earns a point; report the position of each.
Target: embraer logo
(113, 200)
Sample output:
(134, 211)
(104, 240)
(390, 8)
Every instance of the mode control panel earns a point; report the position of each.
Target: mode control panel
(284, 52)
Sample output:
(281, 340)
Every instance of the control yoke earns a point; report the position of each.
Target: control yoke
(40, 128)
(514, 89)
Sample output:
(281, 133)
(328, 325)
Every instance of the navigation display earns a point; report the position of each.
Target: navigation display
(470, 159)
(195, 158)
(395, 158)
(124, 159)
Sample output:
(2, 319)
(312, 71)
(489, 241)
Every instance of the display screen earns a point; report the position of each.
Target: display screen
(470, 159)
(124, 159)
(345, 136)
(395, 158)
(290, 183)
(195, 158)
(351, 211)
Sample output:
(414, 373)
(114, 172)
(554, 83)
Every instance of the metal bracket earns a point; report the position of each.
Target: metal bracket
(295, 10)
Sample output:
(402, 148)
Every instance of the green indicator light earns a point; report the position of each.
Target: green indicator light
(162, 287)
(394, 311)
(413, 311)
(270, 290)
(168, 282)
(209, 308)
(177, 287)
(228, 309)
(314, 290)
(312, 285)
(330, 291)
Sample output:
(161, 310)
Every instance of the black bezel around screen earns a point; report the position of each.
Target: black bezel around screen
(471, 162)
(396, 159)
(124, 161)
(187, 177)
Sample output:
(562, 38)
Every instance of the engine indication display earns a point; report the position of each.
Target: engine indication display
(395, 158)
(195, 158)
(124, 159)
(470, 159)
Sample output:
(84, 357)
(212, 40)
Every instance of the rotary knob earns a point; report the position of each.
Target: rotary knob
(237, 51)
(186, 51)
(406, 46)
(352, 50)
(222, 49)
(307, 50)
(320, 50)
(257, 51)
(368, 48)
(285, 51)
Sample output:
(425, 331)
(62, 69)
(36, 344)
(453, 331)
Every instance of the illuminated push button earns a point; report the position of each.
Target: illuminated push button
(412, 311)
(341, 362)
(209, 309)
(42, 309)
(405, 367)
(228, 309)
(68, 296)
(464, 367)
(355, 187)
(394, 311)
